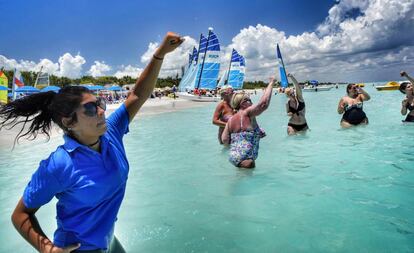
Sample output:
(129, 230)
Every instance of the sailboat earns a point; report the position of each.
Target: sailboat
(242, 71)
(234, 76)
(42, 79)
(18, 82)
(234, 70)
(203, 71)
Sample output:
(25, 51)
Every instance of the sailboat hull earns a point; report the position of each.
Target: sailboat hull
(316, 89)
(196, 98)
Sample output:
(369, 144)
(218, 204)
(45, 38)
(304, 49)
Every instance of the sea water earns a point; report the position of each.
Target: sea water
(330, 190)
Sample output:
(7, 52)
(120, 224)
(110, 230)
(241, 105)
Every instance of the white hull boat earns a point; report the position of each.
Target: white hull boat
(316, 89)
(197, 98)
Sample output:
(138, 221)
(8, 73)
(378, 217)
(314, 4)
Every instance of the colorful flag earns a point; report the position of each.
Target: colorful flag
(17, 82)
(4, 83)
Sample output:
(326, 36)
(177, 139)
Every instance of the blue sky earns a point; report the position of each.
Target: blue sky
(118, 34)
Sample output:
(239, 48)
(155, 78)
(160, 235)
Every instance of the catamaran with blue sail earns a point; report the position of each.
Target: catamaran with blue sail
(234, 76)
(202, 74)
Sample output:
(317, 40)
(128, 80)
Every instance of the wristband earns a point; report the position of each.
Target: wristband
(157, 58)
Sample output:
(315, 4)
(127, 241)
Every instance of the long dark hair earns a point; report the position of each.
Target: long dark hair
(348, 87)
(402, 87)
(40, 110)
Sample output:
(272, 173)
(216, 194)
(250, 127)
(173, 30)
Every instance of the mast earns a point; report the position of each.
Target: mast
(228, 72)
(204, 58)
(199, 45)
(37, 77)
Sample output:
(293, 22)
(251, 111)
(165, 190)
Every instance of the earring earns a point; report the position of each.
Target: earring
(69, 129)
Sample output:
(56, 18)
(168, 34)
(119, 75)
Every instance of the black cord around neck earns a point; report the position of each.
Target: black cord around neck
(93, 144)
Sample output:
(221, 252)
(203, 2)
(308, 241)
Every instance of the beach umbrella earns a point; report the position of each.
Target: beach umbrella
(27, 89)
(114, 88)
(3, 88)
(50, 88)
(313, 82)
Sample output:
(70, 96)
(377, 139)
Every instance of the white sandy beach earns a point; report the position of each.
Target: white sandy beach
(152, 106)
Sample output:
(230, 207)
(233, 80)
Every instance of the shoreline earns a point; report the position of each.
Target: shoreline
(152, 106)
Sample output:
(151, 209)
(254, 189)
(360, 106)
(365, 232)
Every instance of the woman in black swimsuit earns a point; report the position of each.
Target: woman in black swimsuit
(295, 108)
(408, 102)
(352, 106)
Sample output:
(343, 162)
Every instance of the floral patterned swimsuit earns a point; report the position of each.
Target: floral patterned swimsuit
(244, 145)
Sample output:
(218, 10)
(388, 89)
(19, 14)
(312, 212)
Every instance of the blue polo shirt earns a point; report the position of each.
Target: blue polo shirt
(89, 186)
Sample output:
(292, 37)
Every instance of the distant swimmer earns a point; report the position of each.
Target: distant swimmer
(351, 106)
(295, 108)
(88, 173)
(408, 102)
(223, 111)
(242, 131)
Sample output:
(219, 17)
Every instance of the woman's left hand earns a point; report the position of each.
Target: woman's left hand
(170, 42)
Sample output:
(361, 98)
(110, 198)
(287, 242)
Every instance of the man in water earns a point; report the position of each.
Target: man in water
(223, 110)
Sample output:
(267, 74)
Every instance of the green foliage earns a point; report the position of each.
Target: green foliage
(30, 78)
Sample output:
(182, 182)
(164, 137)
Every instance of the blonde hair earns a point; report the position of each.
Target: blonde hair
(224, 89)
(237, 98)
(288, 91)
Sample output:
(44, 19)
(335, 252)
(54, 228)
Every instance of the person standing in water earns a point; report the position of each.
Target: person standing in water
(242, 132)
(407, 104)
(223, 111)
(88, 173)
(295, 108)
(351, 106)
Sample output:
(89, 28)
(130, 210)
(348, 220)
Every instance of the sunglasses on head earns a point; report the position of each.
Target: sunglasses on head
(246, 100)
(91, 108)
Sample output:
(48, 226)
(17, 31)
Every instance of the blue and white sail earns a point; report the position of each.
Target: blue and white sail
(234, 70)
(210, 64)
(242, 71)
(188, 81)
(195, 55)
(190, 59)
(223, 79)
(282, 71)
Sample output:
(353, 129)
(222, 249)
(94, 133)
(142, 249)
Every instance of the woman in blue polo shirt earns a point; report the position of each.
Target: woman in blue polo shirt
(88, 173)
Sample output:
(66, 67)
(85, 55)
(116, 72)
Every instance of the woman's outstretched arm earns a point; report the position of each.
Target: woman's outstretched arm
(146, 81)
(298, 90)
(409, 78)
(264, 101)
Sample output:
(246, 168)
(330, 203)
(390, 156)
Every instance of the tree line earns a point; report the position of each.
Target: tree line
(30, 78)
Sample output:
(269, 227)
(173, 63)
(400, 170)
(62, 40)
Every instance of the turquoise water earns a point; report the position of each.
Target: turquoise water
(331, 190)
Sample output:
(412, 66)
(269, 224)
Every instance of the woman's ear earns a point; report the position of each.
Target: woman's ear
(67, 122)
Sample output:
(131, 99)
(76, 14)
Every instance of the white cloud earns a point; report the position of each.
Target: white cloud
(10, 64)
(71, 66)
(356, 42)
(99, 69)
(174, 61)
(128, 71)
(48, 66)
(68, 65)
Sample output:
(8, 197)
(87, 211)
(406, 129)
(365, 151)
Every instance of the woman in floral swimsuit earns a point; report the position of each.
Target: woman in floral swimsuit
(242, 131)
